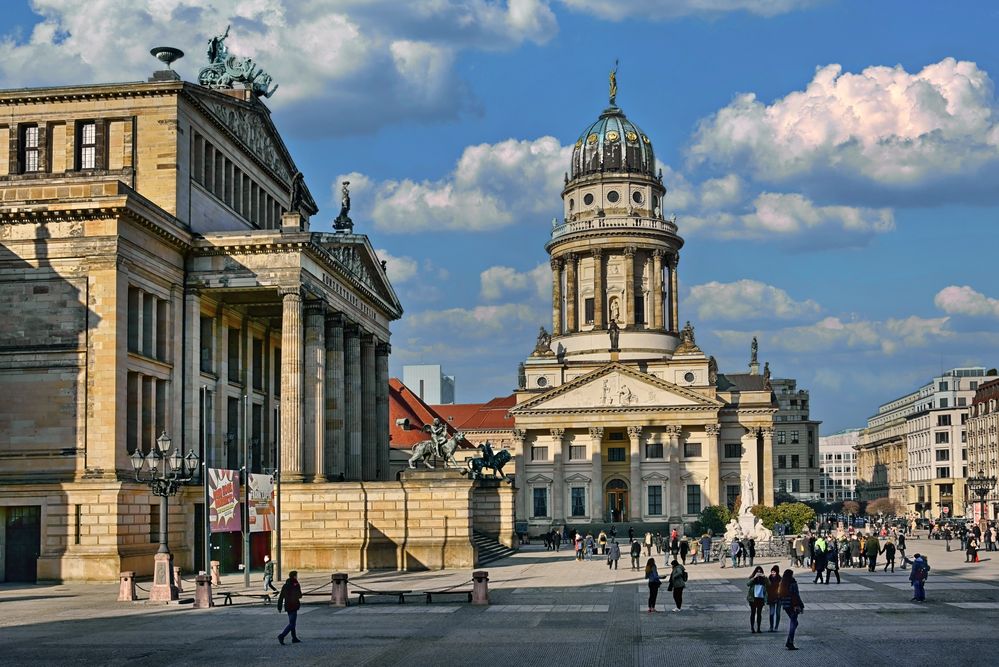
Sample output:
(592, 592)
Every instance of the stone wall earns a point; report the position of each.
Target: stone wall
(493, 511)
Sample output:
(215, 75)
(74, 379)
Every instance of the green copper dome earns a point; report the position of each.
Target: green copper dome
(612, 144)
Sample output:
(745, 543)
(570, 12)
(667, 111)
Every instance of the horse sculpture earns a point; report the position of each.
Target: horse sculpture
(489, 459)
(422, 451)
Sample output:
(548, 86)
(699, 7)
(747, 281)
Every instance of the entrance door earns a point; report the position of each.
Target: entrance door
(23, 544)
(617, 501)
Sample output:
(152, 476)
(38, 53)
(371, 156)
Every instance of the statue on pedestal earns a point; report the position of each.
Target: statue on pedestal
(615, 334)
(343, 221)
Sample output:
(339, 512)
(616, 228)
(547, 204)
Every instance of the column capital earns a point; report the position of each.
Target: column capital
(674, 260)
(659, 253)
(557, 433)
(383, 349)
(712, 429)
(768, 431)
(674, 430)
(571, 258)
(751, 432)
(629, 251)
(519, 434)
(286, 292)
(597, 432)
(634, 431)
(367, 338)
(597, 253)
(335, 319)
(351, 329)
(314, 307)
(556, 263)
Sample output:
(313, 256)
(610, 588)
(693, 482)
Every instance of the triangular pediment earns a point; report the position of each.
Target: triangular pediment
(353, 254)
(539, 479)
(616, 387)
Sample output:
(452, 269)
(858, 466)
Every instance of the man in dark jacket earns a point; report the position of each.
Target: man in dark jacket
(636, 553)
(872, 547)
(290, 599)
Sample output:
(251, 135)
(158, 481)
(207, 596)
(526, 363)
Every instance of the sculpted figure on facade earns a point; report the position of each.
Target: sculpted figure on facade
(223, 70)
(343, 221)
(615, 334)
(543, 347)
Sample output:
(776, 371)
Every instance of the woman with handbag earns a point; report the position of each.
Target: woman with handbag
(790, 600)
(652, 576)
(677, 582)
(756, 596)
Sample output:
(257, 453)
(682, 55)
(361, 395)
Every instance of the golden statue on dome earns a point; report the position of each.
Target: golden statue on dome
(613, 85)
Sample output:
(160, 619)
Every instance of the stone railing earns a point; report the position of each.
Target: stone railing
(612, 223)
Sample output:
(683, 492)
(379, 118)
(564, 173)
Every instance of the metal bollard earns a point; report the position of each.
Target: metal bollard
(216, 573)
(203, 592)
(480, 587)
(177, 580)
(338, 598)
(126, 587)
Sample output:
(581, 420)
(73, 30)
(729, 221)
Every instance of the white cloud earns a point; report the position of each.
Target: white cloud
(746, 299)
(669, 9)
(964, 300)
(499, 282)
(490, 187)
(399, 269)
(883, 125)
(356, 65)
(721, 192)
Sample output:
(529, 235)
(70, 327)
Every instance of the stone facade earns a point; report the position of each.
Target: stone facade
(157, 273)
(796, 442)
(983, 443)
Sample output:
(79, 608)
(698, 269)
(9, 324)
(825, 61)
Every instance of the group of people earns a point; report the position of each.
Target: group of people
(826, 553)
(972, 538)
(778, 592)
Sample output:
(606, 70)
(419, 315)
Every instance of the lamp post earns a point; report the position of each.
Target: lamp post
(164, 474)
(982, 486)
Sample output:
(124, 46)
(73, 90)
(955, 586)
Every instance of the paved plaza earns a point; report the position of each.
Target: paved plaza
(546, 609)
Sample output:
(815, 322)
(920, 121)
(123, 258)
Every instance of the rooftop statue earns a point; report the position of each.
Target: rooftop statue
(613, 85)
(343, 221)
(753, 349)
(543, 348)
(224, 71)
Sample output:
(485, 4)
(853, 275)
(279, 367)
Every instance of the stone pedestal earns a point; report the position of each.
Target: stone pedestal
(216, 573)
(126, 588)
(163, 588)
(480, 587)
(203, 592)
(338, 598)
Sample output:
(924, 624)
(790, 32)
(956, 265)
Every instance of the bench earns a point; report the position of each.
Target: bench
(229, 595)
(430, 594)
(399, 594)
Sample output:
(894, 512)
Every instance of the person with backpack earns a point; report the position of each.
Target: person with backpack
(291, 599)
(790, 601)
(652, 576)
(773, 598)
(756, 596)
(677, 582)
(917, 577)
(636, 552)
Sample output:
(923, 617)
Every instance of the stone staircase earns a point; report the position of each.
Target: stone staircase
(487, 549)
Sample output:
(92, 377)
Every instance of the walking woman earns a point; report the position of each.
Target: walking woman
(773, 597)
(677, 582)
(791, 602)
(756, 596)
(652, 575)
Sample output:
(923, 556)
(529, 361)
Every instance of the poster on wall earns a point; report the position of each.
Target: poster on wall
(261, 503)
(223, 499)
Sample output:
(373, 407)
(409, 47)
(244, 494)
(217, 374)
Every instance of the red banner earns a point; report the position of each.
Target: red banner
(223, 499)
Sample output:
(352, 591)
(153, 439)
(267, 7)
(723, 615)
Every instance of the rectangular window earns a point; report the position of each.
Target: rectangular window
(655, 493)
(277, 371)
(539, 454)
(207, 344)
(654, 450)
(134, 319)
(943, 455)
(692, 450)
(795, 485)
(946, 489)
(943, 402)
(794, 461)
(86, 146)
(811, 461)
(781, 438)
(782, 485)
(962, 402)
(577, 452)
(693, 499)
(639, 309)
(942, 437)
(78, 520)
(29, 149)
(540, 502)
(233, 355)
(588, 310)
(233, 446)
(943, 420)
(616, 435)
(578, 501)
(615, 454)
(794, 437)
(258, 364)
(781, 461)
(943, 472)
(943, 386)
(811, 486)
(811, 437)
(732, 492)
(733, 450)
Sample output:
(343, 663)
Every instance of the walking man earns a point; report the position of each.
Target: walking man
(917, 577)
(636, 552)
(291, 600)
(269, 575)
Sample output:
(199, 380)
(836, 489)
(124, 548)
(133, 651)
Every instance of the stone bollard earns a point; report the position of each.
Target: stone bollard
(126, 587)
(216, 573)
(176, 579)
(338, 598)
(203, 592)
(480, 587)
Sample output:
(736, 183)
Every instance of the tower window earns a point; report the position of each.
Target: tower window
(588, 199)
(87, 145)
(572, 204)
(613, 196)
(636, 196)
(588, 310)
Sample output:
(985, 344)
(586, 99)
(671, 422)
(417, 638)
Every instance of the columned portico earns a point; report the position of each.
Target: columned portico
(369, 429)
(766, 483)
(558, 458)
(714, 490)
(675, 489)
(597, 482)
(751, 451)
(635, 473)
(352, 384)
(314, 417)
(382, 351)
(336, 459)
(291, 385)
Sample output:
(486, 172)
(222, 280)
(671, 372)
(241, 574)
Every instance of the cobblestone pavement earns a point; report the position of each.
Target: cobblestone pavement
(546, 609)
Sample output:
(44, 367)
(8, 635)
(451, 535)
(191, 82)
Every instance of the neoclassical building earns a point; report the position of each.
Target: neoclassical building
(158, 274)
(620, 415)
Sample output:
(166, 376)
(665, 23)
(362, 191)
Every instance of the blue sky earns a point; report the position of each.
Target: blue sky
(832, 165)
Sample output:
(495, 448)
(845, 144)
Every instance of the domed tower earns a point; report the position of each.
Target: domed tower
(614, 255)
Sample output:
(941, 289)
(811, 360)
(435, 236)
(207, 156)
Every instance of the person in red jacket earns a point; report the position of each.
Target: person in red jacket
(291, 600)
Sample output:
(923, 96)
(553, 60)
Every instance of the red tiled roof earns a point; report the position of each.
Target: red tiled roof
(404, 404)
(481, 416)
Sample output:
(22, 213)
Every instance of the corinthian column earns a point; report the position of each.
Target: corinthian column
(352, 403)
(766, 484)
(519, 438)
(635, 478)
(673, 431)
(714, 490)
(657, 290)
(752, 461)
(674, 292)
(598, 288)
(558, 472)
(629, 288)
(571, 294)
(597, 474)
(336, 461)
(291, 385)
(556, 296)
(382, 351)
(369, 428)
(313, 417)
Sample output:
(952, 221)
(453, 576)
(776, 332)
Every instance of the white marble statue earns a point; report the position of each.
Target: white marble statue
(748, 494)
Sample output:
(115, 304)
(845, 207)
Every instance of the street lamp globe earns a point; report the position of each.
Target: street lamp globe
(163, 443)
(137, 460)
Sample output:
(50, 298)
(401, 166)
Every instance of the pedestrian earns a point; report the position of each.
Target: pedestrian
(694, 549)
(269, 575)
(706, 548)
(652, 576)
(677, 582)
(832, 564)
(631, 533)
(735, 549)
(971, 550)
(648, 543)
(917, 577)
(855, 551)
(613, 532)
(636, 553)
(557, 540)
(773, 597)
(790, 601)
(659, 542)
(872, 548)
(602, 540)
(614, 555)
(819, 560)
(901, 548)
(684, 549)
(889, 552)
(756, 596)
(751, 548)
(579, 546)
(291, 599)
